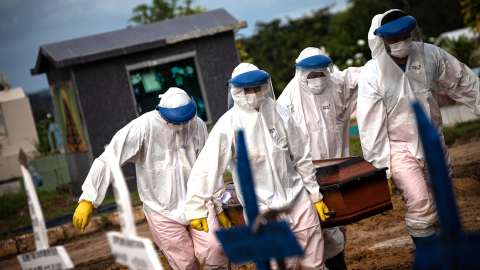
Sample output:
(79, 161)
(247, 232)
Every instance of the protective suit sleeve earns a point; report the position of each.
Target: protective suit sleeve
(372, 122)
(350, 89)
(202, 139)
(286, 97)
(125, 144)
(299, 151)
(203, 182)
(458, 81)
(217, 196)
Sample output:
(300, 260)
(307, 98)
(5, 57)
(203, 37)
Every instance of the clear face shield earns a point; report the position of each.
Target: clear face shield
(399, 36)
(182, 121)
(253, 89)
(314, 73)
(257, 96)
(401, 46)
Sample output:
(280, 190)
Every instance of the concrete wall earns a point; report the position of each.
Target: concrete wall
(454, 114)
(21, 132)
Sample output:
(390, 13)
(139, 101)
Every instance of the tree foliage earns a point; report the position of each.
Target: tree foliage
(465, 49)
(161, 10)
(471, 13)
(276, 44)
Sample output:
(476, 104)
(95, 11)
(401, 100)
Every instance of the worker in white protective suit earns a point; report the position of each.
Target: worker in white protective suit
(164, 144)
(283, 172)
(321, 101)
(404, 69)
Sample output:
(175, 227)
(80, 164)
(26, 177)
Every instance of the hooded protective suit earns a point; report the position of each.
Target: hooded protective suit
(388, 129)
(324, 117)
(282, 168)
(163, 159)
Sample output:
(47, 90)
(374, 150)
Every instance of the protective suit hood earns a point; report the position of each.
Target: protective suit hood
(375, 42)
(241, 68)
(323, 116)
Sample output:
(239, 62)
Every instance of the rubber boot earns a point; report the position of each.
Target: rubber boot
(337, 262)
(416, 239)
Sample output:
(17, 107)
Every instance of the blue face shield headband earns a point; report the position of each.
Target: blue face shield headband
(314, 62)
(396, 28)
(179, 115)
(250, 79)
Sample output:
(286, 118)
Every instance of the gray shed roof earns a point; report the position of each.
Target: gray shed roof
(136, 39)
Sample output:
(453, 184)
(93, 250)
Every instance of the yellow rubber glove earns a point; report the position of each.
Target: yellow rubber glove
(322, 209)
(82, 215)
(390, 187)
(199, 224)
(224, 221)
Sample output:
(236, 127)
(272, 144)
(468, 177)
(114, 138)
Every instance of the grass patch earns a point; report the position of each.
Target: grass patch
(461, 132)
(227, 177)
(14, 211)
(355, 146)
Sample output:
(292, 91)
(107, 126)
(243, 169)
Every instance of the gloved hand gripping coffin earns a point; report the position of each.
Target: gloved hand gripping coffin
(353, 188)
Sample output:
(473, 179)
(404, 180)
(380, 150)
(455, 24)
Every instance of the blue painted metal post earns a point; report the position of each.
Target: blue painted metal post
(441, 182)
(272, 240)
(245, 174)
(451, 247)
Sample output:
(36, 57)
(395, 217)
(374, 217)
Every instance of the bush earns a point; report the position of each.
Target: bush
(461, 132)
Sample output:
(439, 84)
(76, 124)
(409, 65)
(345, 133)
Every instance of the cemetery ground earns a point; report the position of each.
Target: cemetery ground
(379, 242)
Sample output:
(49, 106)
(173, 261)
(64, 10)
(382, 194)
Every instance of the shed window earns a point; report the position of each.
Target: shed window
(149, 82)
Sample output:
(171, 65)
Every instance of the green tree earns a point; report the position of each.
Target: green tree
(161, 10)
(466, 50)
(471, 13)
(275, 45)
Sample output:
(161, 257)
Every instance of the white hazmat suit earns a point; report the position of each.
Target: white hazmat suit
(163, 159)
(387, 124)
(324, 116)
(283, 172)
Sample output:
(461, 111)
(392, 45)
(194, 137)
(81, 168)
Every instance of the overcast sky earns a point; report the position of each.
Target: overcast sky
(25, 25)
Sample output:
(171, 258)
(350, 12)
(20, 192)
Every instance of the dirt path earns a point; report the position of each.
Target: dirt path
(466, 160)
(380, 242)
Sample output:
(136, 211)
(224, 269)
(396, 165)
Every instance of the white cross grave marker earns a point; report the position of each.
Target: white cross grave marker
(127, 248)
(45, 257)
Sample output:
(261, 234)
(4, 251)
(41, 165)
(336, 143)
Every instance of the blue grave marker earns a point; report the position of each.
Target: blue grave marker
(272, 240)
(451, 248)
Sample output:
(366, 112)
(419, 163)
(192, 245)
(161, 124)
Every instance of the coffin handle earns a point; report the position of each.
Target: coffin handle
(331, 213)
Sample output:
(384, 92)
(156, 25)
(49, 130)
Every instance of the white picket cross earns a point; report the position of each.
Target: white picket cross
(44, 257)
(127, 248)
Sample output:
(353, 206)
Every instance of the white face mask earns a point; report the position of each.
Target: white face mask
(317, 85)
(254, 100)
(402, 48)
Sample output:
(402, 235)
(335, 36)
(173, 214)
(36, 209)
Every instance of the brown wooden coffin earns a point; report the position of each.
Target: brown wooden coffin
(353, 188)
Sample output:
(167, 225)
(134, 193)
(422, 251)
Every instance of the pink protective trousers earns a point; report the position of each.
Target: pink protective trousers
(305, 225)
(183, 245)
(411, 177)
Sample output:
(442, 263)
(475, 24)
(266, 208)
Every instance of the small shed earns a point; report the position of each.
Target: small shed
(102, 82)
(17, 130)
